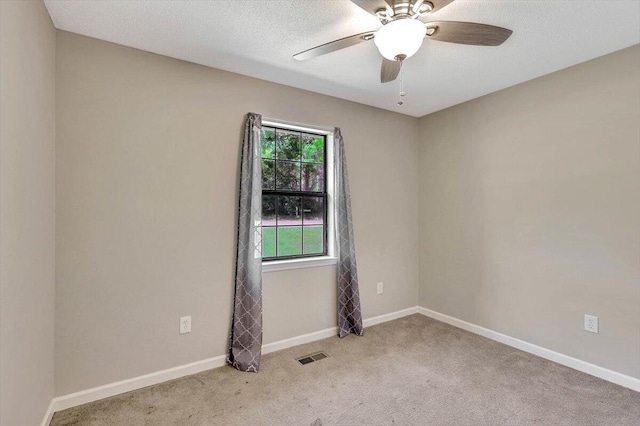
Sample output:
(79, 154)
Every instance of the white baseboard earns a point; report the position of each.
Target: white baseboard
(112, 389)
(333, 331)
(48, 415)
(389, 317)
(299, 340)
(566, 360)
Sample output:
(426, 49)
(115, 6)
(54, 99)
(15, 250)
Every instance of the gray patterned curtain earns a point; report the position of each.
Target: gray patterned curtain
(349, 313)
(246, 329)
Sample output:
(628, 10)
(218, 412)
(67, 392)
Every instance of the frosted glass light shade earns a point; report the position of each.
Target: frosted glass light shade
(401, 37)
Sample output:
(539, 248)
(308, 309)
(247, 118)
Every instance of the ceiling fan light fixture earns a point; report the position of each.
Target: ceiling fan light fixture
(402, 37)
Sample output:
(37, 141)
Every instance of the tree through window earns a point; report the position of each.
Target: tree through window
(294, 195)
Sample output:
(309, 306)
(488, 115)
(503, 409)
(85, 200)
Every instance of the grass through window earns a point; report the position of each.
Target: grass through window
(290, 240)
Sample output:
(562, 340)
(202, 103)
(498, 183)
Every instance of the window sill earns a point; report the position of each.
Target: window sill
(282, 265)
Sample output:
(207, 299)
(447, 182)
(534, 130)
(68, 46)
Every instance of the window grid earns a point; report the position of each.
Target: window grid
(299, 193)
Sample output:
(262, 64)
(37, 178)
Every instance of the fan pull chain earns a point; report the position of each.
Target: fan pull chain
(402, 92)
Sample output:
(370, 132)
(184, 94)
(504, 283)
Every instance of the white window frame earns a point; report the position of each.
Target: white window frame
(331, 257)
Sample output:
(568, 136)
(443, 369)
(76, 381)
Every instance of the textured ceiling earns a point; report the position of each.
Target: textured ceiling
(258, 38)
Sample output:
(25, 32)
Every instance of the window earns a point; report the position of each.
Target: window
(295, 199)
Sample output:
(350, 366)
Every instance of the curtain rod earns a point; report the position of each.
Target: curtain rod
(297, 126)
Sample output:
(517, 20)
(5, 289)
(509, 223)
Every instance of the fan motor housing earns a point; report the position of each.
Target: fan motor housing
(403, 10)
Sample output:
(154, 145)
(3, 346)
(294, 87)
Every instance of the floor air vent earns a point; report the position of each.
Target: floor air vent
(311, 358)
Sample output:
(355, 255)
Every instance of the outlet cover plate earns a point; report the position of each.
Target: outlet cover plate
(591, 323)
(185, 324)
(380, 288)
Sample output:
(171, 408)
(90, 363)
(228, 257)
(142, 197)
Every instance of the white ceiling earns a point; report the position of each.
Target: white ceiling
(258, 38)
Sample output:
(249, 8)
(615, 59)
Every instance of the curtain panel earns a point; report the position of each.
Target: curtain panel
(246, 329)
(349, 312)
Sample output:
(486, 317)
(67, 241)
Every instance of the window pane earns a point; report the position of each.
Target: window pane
(293, 224)
(289, 211)
(313, 148)
(268, 219)
(313, 239)
(312, 177)
(268, 174)
(268, 142)
(289, 240)
(268, 242)
(268, 210)
(288, 175)
(288, 145)
(313, 210)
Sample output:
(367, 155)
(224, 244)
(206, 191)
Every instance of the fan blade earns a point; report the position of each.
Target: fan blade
(467, 33)
(389, 70)
(372, 5)
(334, 45)
(439, 4)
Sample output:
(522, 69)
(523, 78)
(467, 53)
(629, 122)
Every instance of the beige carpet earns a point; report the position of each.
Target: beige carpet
(411, 371)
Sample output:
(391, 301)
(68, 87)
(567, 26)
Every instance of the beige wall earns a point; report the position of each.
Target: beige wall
(530, 211)
(27, 215)
(147, 165)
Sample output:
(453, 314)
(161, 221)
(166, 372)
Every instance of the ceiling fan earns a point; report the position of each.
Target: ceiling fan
(402, 32)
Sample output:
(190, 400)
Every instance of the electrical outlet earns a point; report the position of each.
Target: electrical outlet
(591, 323)
(185, 324)
(380, 288)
